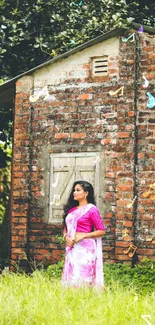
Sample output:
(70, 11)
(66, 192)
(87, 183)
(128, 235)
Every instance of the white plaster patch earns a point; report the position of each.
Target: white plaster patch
(75, 65)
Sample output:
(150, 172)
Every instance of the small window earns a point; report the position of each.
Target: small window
(65, 169)
(100, 66)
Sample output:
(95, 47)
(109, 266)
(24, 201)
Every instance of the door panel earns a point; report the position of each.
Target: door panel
(65, 169)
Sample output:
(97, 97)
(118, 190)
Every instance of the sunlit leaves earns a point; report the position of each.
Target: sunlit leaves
(56, 23)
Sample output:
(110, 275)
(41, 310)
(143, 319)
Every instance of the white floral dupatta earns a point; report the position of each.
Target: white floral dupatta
(71, 222)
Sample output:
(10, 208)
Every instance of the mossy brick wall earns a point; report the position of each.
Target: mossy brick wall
(85, 117)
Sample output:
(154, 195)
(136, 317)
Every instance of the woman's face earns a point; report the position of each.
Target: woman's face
(79, 193)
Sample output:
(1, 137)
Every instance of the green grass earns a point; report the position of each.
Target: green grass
(40, 300)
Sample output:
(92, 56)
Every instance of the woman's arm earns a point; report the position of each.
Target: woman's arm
(94, 234)
(64, 232)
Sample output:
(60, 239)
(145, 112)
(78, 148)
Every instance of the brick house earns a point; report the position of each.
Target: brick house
(88, 113)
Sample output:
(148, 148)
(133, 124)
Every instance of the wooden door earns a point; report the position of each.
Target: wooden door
(65, 169)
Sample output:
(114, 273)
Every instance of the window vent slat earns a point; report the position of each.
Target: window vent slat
(100, 66)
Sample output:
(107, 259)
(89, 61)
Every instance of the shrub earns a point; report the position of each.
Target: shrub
(2, 212)
(55, 270)
(141, 276)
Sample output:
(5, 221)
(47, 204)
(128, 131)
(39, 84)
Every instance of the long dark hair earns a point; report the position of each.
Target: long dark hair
(87, 187)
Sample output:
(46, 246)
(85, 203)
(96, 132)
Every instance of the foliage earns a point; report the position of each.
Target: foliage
(4, 206)
(2, 212)
(144, 13)
(5, 136)
(4, 181)
(38, 300)
(35, 30)
(141, 277)
(4, 261)
(55, 270)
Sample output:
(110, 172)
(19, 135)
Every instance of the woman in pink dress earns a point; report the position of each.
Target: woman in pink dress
(83, 229)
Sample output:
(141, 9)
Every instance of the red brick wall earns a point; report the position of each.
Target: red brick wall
(145, 221)
(121, 127)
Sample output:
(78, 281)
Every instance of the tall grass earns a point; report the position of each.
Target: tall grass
(39, 300)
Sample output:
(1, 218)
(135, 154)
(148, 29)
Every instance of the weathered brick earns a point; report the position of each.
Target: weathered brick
(128, 223)
(78, 135)
(85, 96)
(62, 135)
(123, 134)
(124, 188)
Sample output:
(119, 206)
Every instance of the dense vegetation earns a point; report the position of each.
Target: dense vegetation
(40, 299)
(32, 31)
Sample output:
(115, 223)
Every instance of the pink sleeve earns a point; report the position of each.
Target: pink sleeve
(96, 219)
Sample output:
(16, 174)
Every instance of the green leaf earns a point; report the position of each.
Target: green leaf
(36, 46)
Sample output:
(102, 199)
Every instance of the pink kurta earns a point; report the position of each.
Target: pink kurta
(83, 262)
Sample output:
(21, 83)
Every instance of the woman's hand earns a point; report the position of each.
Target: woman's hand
(79, 236)
(69, 241)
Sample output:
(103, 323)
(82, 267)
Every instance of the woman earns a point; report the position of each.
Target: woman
(83, 229)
